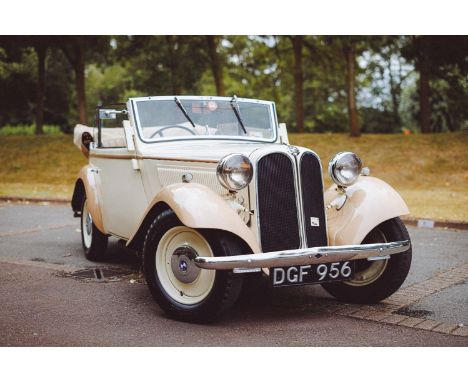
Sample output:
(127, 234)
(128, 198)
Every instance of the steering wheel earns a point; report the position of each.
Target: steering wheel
(172, 127)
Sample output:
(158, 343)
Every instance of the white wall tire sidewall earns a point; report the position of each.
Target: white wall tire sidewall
(87, 236)
(183, 293)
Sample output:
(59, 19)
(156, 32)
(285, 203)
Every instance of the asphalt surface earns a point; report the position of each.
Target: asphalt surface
(42, 307)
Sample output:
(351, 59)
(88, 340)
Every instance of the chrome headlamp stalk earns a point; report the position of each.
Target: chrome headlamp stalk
(345, 168)
(234, 171)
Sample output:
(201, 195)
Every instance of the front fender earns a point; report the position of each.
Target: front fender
(369, 202)
(87, 177)
(199, 207)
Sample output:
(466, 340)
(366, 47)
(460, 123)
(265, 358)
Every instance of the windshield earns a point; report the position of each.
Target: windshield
(177, 118)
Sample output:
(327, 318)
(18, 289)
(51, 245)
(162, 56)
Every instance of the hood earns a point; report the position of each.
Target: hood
(206, 150)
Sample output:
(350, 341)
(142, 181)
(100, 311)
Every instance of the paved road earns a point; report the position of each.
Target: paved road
(39, 244)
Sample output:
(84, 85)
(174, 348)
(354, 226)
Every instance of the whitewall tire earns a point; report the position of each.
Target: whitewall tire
(94, 241)
(184, 291)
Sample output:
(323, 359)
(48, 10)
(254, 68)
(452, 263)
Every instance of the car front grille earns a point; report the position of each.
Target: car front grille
(312, 198)
(278, 215)
(277, 209)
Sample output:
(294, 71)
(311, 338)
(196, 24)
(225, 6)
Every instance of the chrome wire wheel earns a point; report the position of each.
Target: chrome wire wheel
(369, 271)
(87, 226)
(181, 279)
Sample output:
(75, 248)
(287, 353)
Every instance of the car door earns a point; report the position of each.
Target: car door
(122, 197)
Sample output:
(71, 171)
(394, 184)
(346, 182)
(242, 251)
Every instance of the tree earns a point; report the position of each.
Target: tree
(212, 43)
(297, 42)
(384, 76)
(349, 51)
(435, 57)
(77, 49)
(15, 45)
(164, 64)
(351, 47)
(41, 51)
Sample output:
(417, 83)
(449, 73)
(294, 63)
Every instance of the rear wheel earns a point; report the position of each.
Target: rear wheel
(184, 291)
(94, 241)
(376, 280)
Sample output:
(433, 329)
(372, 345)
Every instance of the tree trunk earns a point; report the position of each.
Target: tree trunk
(172, 53)
(424, 92)
(80, 83)
(350, 78)
(395, 90)
(298, 82)
(41, 56)
(216, 66)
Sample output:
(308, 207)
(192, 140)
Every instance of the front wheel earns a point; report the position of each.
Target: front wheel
(376, 280)
(184, 291)
(94, 241)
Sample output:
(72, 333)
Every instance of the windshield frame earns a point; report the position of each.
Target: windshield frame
(136, 119)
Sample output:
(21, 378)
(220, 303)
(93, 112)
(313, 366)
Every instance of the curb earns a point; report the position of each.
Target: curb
(421, 223)
(426, 223)
(20, 199)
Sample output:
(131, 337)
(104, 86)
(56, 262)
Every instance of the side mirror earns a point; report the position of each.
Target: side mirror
(110, 113)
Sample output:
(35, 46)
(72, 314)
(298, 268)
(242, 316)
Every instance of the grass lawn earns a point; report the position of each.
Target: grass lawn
(430, 171)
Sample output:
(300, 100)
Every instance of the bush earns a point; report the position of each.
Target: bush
(28, 130)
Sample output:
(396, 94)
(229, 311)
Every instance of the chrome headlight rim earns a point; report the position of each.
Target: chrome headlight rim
(223, 172)
(334, 168)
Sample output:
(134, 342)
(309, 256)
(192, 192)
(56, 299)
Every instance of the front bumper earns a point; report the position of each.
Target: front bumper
(316, 255)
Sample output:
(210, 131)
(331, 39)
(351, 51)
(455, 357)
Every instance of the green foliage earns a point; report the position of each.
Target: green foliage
(444, 59)
(107, 85)
(28, 130)
(119, 67)
(17, 88)
(161, 65)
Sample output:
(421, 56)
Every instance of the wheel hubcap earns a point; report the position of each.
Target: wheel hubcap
(180, 278)
(372, 270)
(89, 222)
(182, 265)
(87, 226)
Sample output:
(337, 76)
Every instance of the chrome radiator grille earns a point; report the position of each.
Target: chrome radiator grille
(277, 209)
(313, 208)
(281, 224)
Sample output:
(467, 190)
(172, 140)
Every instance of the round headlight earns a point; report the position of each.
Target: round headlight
(345, 168)
(234, 172)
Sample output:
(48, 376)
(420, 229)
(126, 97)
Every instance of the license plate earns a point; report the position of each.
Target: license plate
(311, 274)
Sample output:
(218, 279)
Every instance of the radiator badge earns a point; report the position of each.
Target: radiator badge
(314, 222)
(293, 150)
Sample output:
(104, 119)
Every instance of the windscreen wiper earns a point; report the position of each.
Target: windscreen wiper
(235, 107)
(181, 107)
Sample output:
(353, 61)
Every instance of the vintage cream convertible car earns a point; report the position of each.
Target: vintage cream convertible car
(208, 189)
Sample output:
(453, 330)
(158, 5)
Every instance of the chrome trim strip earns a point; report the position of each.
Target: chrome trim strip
(299, 201)
(101, 154)
(316, 255)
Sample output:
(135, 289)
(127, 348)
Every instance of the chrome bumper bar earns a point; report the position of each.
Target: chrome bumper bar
(316, 255)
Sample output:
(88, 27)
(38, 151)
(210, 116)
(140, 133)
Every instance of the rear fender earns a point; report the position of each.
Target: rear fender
(197, 207)
(369, 202)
